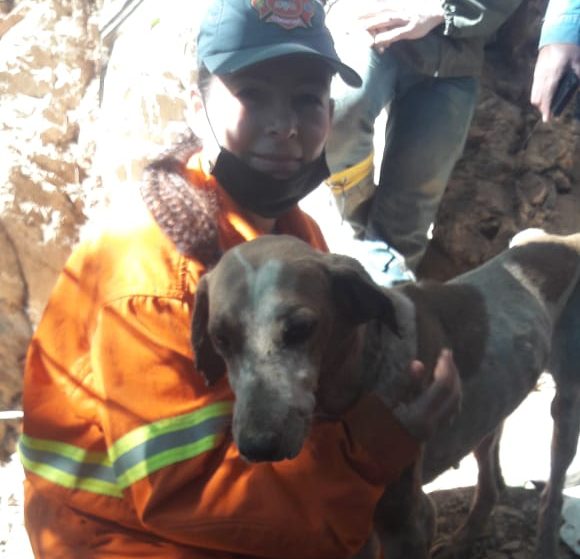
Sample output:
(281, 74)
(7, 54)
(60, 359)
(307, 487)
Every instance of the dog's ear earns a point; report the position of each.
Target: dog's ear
(207, 360)
(357, 295)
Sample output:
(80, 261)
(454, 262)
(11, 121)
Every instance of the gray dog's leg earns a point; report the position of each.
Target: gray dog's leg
(566, 415)
(405, 518)
(490, 484)
(565, 368)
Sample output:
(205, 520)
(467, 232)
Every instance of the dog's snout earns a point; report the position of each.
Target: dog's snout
(262, 447)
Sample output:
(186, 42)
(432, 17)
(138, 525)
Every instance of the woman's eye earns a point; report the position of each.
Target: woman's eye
(250, 94)
(309, 99)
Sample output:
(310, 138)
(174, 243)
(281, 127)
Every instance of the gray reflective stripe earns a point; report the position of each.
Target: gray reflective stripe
(134, 456)
(171, 441)
(69, 466)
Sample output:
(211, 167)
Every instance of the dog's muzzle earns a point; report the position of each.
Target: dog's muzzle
(264, 447)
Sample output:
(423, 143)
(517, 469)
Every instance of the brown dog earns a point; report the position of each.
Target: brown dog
(302, 331)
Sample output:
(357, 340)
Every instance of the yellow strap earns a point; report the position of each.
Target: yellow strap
(344, 180)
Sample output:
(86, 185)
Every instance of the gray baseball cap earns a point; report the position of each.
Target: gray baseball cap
(236, 34)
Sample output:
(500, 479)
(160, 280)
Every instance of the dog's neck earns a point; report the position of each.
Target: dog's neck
(386, 357)
(369, 358)
(341, 376)
(452, 315)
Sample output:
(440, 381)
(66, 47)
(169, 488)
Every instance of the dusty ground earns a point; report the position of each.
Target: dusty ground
(525, 460)
(511, 531)
(13, 539)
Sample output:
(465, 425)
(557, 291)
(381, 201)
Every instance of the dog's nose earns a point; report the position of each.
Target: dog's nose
(263, 447)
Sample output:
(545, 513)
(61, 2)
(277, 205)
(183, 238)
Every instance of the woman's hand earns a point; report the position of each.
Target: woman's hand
(437, 404)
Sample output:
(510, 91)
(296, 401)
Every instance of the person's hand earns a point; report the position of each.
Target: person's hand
(388, 22)
(550, 66)
(437, 404)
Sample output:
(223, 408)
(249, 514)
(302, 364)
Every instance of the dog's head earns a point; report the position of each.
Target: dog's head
(277, 315)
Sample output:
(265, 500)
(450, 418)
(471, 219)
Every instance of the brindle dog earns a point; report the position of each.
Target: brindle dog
(301, 331)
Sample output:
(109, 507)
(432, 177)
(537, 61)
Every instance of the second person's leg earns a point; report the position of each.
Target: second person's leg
(426, 132)
(349, 151)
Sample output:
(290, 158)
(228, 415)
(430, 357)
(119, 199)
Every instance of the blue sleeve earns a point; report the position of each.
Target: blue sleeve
(562, 23)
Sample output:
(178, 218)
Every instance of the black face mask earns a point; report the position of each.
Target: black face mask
(262, 194)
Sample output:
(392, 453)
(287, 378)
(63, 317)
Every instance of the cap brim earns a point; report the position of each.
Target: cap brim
(226, 63)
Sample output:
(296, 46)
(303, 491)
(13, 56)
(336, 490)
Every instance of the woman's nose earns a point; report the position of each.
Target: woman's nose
(283, 120)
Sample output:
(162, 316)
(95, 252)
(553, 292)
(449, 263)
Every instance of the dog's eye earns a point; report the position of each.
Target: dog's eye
(297, 332)
(221, 342)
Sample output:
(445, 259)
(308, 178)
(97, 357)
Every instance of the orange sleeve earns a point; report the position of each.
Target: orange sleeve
(59, 400)
(381, 448)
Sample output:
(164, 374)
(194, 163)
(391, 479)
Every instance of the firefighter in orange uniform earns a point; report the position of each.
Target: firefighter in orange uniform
(127, 452)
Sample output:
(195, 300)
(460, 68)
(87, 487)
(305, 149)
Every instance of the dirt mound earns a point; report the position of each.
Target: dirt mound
(511, 530)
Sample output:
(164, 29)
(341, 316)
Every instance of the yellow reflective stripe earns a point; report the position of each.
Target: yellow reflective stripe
(168, 425)
(344, 180)
(166, 458)
(70, 481)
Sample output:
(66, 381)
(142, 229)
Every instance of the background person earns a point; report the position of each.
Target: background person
(421, 59)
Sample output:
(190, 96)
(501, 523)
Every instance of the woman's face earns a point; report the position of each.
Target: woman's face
(275, 115)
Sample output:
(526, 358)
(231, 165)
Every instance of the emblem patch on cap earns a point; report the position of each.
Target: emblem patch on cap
(288, 14)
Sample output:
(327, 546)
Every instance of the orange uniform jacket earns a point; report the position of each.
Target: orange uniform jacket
(128, 454)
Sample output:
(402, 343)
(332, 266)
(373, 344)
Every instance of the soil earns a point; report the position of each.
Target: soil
(511, 530)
